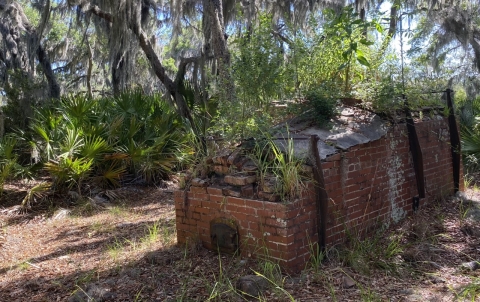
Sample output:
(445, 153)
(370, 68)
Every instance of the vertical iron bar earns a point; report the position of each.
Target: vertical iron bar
(454, 141)
(415, 149)
(321, 197)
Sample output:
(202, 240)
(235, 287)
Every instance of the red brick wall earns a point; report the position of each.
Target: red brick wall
(368, 186)
(372, 185)
(285, 230)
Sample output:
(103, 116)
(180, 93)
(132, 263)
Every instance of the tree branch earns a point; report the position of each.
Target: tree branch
(152, 57)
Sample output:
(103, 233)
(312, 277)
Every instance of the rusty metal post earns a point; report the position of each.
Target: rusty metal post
(321, 197)
(454, 141)
(416, 151)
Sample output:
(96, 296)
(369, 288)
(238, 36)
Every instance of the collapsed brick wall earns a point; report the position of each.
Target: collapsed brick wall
(368, 186)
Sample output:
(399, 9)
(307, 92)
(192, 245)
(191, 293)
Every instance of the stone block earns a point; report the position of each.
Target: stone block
(222, 170)
(247, 191)
(240, 179)
(240, 162)
(231, 191)
(221, 158)
(270, 184)
(268, 196)
(233, 157)
(198, 182)
(249, 166)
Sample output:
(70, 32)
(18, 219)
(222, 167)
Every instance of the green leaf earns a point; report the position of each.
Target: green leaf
(366, 42)
(360, 53)
(362, 60)
(346, 53)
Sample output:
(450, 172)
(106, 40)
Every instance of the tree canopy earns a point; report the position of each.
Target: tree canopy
(201, 54)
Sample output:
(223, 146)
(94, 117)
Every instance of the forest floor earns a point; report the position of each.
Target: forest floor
(126, 250)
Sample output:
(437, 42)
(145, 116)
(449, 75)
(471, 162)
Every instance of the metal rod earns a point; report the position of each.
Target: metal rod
(454, 141)
(321, 197)
(415, 149)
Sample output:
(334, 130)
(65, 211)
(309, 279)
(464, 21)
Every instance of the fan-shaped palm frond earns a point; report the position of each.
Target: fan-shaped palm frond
(37, 192)
(94, 147)
(72, 144)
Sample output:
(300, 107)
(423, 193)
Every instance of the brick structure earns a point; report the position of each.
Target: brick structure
(369, 185)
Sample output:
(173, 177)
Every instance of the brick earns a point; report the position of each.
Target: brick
(221, 158)
(232, 158)
(198, 182)
(233, 209)
(231, 191)
(198, 190)
(257, 204)
(247, 191)
(253, 225)
(240, 180)
(268, 196)
(249, 211)
(335, 157)
(270, 184)
(203, 210)
(178, 194)
(240, 162)
(218, 199)
(236, 201)
(196, 216)
(249, 167)
(195, 203)
(276, 222)
(202, 196)
(221, 170)
(214, 191)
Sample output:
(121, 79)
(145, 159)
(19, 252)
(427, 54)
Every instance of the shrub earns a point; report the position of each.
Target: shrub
(322, 105)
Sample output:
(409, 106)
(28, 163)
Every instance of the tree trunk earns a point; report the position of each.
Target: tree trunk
(173, 90)
(18, 54)
(118, 65)
(89, 70)
(54, 88)
(213, 19)
(393, 21)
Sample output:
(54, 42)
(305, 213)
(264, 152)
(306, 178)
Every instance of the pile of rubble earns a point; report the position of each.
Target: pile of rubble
(237, 175)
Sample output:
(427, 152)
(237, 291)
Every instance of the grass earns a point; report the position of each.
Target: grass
(114, 249)
(469, 292)
(118, 211)
(281, 167)
(86, 277)
(24, 265)
(317, 256)
(152, 234)
(464, 208)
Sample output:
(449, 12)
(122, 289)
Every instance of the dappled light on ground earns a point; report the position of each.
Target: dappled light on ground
(127, 251)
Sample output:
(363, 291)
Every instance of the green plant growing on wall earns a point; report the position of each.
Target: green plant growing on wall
(287, 169)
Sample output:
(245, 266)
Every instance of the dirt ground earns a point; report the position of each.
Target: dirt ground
(124, 249)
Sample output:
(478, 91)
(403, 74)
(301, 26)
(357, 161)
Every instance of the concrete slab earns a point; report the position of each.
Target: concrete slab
(352, 127)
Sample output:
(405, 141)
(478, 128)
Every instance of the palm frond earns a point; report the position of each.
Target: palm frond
(72, 144)
(94, 146)
(37, 192)
(110, 176)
